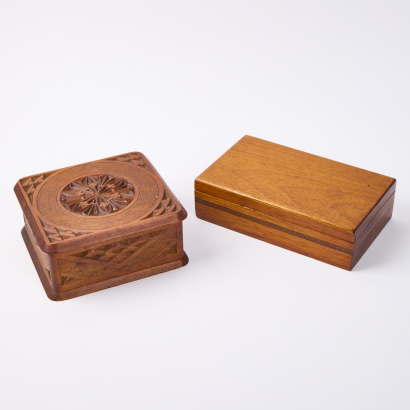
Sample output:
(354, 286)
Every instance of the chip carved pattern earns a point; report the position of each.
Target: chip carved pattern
(133, 158)
(57, 234)
(118, 256)
(115, 252)
(97, 195)
(147, 187)
(165, 206)
(30, 184)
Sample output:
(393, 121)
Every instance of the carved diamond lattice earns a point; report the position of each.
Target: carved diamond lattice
(97, 195)
(115, 252)
(122, 251)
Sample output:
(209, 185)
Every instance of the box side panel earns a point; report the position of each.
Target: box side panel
(362, 229)
(372, 230)
(268, 209)
(42, 256)
(276, 231)
(110, 259)
(100, 285)
(45, 260)
(29, 218)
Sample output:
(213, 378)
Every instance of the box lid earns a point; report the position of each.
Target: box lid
(315, 192)
(96, 201)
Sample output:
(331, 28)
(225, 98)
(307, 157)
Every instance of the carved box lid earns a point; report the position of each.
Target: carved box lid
(308, 190)
(92, 202)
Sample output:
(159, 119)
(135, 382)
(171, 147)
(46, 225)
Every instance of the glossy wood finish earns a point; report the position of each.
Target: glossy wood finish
(312, 191)
(311, 205)
(100, 224)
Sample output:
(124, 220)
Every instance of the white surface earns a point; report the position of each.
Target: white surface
(245, 325)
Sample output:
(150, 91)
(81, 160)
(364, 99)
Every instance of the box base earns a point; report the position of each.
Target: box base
(100, 285)
(279, 232)
(275, 231)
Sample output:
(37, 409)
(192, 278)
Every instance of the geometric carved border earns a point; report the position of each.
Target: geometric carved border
(30, 184)
(55, 234)
(133, 158)
(118, 256)
(116, 252)
(166, 206)
(61, 233)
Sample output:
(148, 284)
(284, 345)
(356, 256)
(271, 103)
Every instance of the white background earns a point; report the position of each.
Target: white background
(245, 325)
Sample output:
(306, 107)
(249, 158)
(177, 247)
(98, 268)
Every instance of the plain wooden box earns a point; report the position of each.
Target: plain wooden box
(311, 205)
(100, 224)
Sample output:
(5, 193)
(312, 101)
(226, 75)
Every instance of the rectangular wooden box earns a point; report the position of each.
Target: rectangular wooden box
(100, 224)
(311, 205)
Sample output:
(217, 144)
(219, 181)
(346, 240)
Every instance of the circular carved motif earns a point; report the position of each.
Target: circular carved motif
(97, 195)
(148, 194)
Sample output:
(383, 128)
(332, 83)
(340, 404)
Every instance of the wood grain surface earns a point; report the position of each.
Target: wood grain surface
(308, 204)
(98, 222)
(306, 189)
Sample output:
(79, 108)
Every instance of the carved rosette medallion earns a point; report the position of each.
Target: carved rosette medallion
(97, 195)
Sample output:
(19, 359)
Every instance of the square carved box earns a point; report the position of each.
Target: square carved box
(100, 224)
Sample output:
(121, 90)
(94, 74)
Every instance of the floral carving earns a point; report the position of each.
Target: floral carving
(97, 195)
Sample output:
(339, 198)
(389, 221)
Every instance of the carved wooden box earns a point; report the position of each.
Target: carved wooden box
(308, 204)
(96, 225)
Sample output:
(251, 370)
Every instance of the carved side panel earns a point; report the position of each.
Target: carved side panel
(42, 257)
(118, 257)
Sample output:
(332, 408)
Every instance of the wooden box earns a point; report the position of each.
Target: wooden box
(311, 205)
(96, 225)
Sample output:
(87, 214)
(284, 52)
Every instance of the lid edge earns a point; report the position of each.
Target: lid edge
(268, 209)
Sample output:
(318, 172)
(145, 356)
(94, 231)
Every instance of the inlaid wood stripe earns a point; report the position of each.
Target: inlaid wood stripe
(274, 226)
